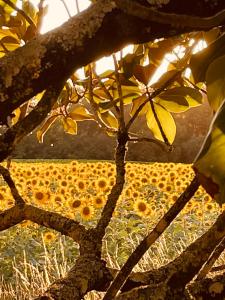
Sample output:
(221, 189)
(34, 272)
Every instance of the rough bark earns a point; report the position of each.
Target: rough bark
(53, 57)
(174, 277)
(209, 288)
(151, 238)
(50, 59)
(23, 127)
(88, 273)
(117, 188)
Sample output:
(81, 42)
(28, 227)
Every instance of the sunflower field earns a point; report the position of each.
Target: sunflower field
(78, 190)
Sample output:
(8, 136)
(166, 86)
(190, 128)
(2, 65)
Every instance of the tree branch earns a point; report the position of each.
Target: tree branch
(151, 238)
(149, 140)
(23, 127)
(8, 179)
(212, 259)
(122, 138)
(146, 13)
(40, 64)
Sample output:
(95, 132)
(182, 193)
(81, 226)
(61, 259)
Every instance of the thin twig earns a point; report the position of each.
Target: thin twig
(8, 179)
(66, 7)
(153, 95)
(77, 6)
(120, 94)
(157, 120)
(195, 86)
(147, 13)
(95, 106)
(149, 140)
(40, 15)
(110, 97)
(212, 259)
(122, 138)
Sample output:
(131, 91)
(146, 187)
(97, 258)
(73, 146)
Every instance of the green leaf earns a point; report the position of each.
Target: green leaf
(69, 125)
(45, 127)
(166, 120)
(210, 163)
(80, 113)
(211, 35)
(106, 74)
(158, 50)
(215, 82)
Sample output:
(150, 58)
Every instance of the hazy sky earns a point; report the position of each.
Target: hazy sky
(57, 13)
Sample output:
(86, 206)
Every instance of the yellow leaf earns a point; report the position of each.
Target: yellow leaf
(136, 104)
(69, 125)
(16, 113)
(109, 119)
(44, 128)
(166, 120)
(80, 113)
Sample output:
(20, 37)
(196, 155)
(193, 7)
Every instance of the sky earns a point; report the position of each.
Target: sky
(57, 15)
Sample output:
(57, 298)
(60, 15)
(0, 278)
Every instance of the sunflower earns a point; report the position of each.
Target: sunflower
(41, 196)
(86, 212)
(99, 201)
(153, 180)
(34, 181)
(210, 207)
(161, 184)
(58, 199)
(207, 198)
(141, 207)
(49, 237)
(2, 196)
(75, 204)
(63, 183)
(81, 185)
(168, 188)
(102, 184)
(174, 197)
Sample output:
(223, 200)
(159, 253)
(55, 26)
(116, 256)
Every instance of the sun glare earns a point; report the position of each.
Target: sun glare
(59, 12)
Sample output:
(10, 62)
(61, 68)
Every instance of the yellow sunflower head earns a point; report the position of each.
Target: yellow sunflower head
(102, 184)
(49, 237)
(141, 207)
(99, 201)
(41, 196)
(86, 212)
(75, 204)
(81, 185)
